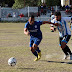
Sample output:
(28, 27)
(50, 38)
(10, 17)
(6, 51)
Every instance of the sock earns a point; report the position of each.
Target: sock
(68, 50)
(65, 51)
(38, 49)
(35, 53)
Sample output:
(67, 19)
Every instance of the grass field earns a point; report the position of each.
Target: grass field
(13, 43)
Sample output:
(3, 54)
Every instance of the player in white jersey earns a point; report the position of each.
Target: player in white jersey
(71, 23)
(64, 33)
(51, 25)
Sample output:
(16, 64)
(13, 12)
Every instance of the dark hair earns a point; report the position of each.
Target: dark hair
(57, 13)
(32, 16)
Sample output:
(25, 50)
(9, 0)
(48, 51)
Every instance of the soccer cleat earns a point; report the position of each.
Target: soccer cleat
(36, 59)
(66, 57)
(39, 55)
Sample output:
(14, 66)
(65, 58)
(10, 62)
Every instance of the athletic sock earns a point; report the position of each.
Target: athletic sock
(35, 53)
(38, 50)
(68, 50)
(65, 51)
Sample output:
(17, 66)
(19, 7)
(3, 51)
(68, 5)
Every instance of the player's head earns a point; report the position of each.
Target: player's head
(31, 20)
(58, 16)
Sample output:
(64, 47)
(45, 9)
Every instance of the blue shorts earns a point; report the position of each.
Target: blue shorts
(35, 40)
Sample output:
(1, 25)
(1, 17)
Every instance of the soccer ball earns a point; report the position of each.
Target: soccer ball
(12, 61)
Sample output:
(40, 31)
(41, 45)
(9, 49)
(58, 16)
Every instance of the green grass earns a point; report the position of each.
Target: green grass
(13, 43)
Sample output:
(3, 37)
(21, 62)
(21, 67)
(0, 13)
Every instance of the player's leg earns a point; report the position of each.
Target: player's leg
(35, 46)
(32, 48)
(64, 46)
(64, 50)
(64, 43)
(52, 28)
(36, 43)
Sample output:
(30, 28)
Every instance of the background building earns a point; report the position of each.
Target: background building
(66, 2)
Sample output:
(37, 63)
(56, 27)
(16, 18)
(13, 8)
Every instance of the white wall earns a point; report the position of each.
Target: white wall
(62, 2)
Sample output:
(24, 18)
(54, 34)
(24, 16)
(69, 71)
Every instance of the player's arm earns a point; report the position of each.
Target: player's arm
(70, 24)
(26, 31)
(44, 22)
(67, 19)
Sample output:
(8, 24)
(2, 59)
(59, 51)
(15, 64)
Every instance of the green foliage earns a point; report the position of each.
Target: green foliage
(39, 2)
(22, 3)
(18, 4)
(52, 2)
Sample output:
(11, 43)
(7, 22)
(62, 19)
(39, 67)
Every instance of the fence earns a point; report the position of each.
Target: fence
(6, 11)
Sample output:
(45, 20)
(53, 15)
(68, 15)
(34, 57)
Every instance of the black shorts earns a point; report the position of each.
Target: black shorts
(64, 39)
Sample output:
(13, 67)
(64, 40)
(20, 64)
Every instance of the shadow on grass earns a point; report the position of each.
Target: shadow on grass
(57, 62)
(26, 68)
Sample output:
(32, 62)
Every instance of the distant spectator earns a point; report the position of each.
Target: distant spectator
(42, 11)
(67, 7)
(41, 6)
(48, 9)
(38, 14)
(52, 9)
(9, 15)
(71, 9)
(44, 6)
(67, 11)
(14, 14)
(21, 15)
(63, 8)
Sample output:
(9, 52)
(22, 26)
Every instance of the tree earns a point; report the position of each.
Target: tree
(53, 2)
(22, 3)
(8, 2)
(18, 4)
(39, 3)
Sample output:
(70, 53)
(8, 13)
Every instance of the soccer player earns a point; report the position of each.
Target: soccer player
(32, 28)
(64, 33)
(71, 23)
(51, 25)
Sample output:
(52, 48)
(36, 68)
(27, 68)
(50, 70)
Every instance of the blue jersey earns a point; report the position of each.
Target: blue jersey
(34, 29)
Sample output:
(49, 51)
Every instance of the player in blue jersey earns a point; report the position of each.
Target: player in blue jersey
(32, 28)
(64, 33)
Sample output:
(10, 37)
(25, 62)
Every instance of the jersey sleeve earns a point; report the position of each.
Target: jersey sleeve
(53, 21)
(67, 19)
(26, 25)
(39, 22)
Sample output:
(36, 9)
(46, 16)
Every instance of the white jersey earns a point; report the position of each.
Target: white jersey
(52, 17)
(63, 28)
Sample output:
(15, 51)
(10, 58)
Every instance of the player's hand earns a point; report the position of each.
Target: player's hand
(57, 24)
(28, 33)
